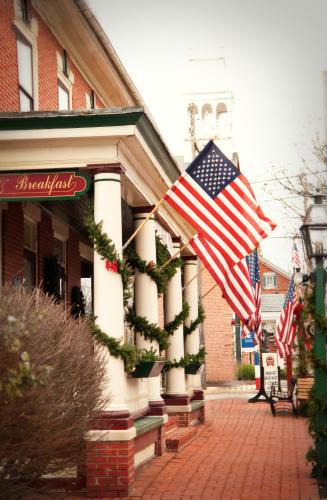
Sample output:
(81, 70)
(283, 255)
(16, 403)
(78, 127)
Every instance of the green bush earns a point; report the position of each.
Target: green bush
(245, 372)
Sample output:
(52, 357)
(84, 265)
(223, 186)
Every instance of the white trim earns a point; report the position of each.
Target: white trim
(30, 34)
(144, 455)
(103, 435)
(179, 409)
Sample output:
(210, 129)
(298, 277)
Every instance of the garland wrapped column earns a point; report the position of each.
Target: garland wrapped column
(192, 340)
(146, 297)
(108, 285)
(176, 390)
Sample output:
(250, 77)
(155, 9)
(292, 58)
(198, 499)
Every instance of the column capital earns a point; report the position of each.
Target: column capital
(106, 168)
(177, 239)
(142, 210)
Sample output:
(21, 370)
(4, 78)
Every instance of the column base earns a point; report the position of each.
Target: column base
(198, 395)
(109, 468)
(111, 420)
(157, 408)
(110, 449)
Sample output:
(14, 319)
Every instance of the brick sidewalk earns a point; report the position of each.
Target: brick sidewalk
(241, 452)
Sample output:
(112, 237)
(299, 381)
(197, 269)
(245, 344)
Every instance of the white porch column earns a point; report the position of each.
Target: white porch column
(173, 303)
(146, 293)
(108, 288)
(191, 296)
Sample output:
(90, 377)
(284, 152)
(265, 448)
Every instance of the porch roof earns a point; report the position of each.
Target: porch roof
(108, 117)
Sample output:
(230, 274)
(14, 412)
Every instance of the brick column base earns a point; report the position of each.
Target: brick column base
(110, 468)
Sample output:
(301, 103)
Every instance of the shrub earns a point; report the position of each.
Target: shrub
(245, 372)
(50, 383)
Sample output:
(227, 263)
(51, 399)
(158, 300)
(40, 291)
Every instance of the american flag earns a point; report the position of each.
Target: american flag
(286, 328)
(253, 266)
(234, 282)
(216, 199)
(296, 261)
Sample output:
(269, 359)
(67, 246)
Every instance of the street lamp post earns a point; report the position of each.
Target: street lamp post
(314, 233)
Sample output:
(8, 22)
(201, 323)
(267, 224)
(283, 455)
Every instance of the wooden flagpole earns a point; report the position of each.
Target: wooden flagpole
(179, 251)
(196, 276)
(207, 293)
(141, 225)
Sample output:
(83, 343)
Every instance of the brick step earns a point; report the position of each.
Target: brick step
(180, 437)
(171, 425)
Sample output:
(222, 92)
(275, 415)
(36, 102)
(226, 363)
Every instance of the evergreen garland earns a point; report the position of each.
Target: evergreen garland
(152, 331)
(178, 320)
(196, 322)
(106, 247)
(130, 354)
(149, 330)
(187, 360)
(161, 276)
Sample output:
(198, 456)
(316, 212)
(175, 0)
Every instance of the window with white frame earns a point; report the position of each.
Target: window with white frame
(269, 281)
(63, 96)
(25, 74)
(30, 253)
(24, 11)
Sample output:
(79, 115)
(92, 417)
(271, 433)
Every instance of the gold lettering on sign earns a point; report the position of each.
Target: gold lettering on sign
(49, 185)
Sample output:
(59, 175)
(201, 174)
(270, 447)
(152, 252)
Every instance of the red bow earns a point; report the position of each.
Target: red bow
(150, 265)
(113, 266)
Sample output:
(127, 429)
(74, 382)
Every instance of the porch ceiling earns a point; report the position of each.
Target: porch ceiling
(53, 140)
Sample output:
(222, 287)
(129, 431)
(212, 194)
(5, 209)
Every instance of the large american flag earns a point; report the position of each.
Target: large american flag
(255, 326)
(286, 328)
(234, 282)
(216, 199)
(296, 261)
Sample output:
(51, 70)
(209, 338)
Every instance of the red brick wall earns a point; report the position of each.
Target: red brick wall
(13, 242)
(282, 281)
(9, 100)
(48, 46)
(218, 334)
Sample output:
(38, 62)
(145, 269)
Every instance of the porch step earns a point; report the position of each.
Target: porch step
(171, 425)
(180, 437)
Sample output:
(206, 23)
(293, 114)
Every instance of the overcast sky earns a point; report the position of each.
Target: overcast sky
(276, 52)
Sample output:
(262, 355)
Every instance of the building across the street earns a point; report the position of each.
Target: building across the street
(222, 330)
(73, 128)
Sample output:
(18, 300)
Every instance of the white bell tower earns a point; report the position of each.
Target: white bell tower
(208, 106)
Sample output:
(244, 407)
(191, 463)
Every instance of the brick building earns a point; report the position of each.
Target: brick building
(222, 338)
(72, 127)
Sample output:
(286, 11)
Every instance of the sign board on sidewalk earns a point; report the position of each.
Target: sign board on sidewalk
(247, 342)
(270, 364)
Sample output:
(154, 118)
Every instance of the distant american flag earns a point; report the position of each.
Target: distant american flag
(286, 328)
(216, 199)
(234, 282)
(253, 266)
(296, 261)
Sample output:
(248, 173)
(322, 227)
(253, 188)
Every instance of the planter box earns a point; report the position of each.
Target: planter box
(146, 369)
(192, 369)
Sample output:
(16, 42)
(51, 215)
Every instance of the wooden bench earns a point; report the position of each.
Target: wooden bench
(282, 401)
(304, 386)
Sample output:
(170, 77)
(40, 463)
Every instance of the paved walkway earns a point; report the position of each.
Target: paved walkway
(242, 452)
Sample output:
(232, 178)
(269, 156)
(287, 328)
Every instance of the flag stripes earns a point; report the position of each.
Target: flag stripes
(286, 327)
(232, 222)
(234, 282)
